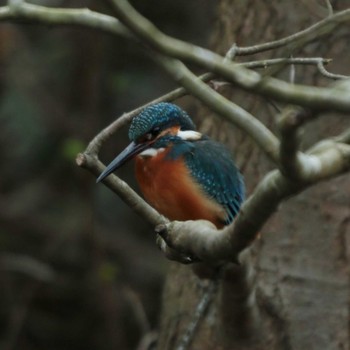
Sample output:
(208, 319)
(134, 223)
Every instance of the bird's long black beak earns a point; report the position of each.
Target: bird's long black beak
(129, 152)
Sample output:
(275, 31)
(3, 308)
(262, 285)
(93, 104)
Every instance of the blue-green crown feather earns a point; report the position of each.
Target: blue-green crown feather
(209, 162)
(162, 115)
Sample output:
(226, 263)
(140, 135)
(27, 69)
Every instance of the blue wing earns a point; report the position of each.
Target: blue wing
(212, 166)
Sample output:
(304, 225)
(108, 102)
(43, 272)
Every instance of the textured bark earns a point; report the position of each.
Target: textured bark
(297, 292)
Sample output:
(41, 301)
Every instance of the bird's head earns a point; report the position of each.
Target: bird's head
(151, 130)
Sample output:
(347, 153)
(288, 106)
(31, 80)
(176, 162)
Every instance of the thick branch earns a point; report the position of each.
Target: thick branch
(329, 159)
(201, 239)
(95, 144)
(311, 97)
(219, 104)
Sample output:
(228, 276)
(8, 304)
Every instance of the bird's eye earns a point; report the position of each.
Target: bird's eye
(148, 137)
(152, 134)
(155, 131)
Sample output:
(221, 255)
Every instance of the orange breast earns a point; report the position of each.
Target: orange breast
(168, 186)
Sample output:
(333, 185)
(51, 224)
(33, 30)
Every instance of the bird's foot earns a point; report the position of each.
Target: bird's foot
(172, 252)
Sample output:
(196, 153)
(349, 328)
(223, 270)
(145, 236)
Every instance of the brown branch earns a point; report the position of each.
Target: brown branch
(329, 159)
(61, 16)
(288, 123)
(312, 97)
(301, 38)
(327, 74)
(122, 189)
(201, 239)
(95, 145)
(219, 104)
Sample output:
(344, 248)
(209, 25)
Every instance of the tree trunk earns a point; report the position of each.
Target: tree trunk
(292, 288)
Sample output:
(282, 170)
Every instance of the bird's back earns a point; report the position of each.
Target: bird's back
(191, 181)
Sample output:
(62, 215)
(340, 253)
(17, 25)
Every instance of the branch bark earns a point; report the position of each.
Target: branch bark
(201, 239)
(332, 157)
(317, 98)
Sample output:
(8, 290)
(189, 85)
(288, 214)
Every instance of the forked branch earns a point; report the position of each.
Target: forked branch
(297, 170)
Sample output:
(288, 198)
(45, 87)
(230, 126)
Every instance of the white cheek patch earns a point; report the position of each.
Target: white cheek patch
(189, 135)
(151, 152)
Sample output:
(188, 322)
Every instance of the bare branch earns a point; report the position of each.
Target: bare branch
(94, 146)
(283, 61)
(327, 159)
(312, 97)
(323, 71)
(292, 73)
(88, 18)
(288, 123)
(27, 265)
(202, 239)
(301, 38)
(329, 7)
(216, 102)
(62, 16)
(209, 292)
(122, 189)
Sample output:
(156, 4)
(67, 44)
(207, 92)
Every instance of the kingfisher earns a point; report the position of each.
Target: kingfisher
(182, 173)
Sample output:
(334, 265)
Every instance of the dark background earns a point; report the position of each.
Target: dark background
(78, 270)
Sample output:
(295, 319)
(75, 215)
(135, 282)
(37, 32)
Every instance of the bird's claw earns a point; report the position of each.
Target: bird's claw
(172, 252)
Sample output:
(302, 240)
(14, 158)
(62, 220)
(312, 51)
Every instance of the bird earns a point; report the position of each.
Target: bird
(181, 172)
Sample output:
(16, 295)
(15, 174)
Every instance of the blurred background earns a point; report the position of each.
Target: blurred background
(78, 270)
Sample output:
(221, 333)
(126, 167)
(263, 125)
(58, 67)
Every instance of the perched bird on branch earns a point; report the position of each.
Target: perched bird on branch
(182, 173)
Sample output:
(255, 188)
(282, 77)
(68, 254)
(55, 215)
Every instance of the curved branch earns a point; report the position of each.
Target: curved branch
(62, 16)
(301, 38)
(328, 159)
(290, 157)
(201, 239)
(312, 97)
(219, 104)
(95, 144)
(327, 74)
(315, 98)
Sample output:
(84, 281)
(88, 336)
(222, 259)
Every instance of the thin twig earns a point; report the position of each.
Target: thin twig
(199, 313)
(138, 310)
(244, 78)
(323, 71)
(292, 73)
(311, 97)
(219, 104)
(329, 7)
(307, 35)
(275, 188)
(96, 143)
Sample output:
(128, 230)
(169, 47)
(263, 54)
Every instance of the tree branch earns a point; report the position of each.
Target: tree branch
(290, 156)
(326, 159)
(312, 97)
(308, 35)
(201, 239)
(61, 16)
(122, 189)
(95, 145)
(219, 104)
